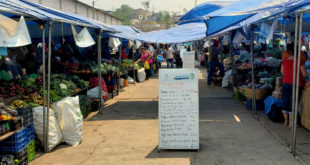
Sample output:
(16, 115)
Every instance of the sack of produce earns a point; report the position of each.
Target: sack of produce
(70, 119)
(54, 133)
(141, 75)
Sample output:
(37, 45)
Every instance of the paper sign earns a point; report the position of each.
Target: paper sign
(182, 52)
(178, 109)
(189, 60)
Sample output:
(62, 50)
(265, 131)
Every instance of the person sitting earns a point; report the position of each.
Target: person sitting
(244, 55)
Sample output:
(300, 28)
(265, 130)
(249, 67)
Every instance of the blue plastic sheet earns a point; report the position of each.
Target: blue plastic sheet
(272, 101)
(246, 12)
(196, 14)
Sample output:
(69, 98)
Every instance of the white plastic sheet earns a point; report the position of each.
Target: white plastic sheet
(82, 39)
(13, 34)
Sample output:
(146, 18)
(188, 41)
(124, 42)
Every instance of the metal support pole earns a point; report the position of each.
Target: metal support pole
(232, 62)
(294, 127)
(48, 81)
(253, 76)
(133, 68)
(75, 6)
(44, 88)
(119, 66)
(99, 73)
(294, 74)
(93, 9)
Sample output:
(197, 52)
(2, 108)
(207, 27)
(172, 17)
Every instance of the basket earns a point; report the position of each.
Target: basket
(259, 93)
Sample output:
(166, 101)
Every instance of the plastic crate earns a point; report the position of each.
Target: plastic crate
(27, 114)
(30, 133)
(16, 142)
(31, 150)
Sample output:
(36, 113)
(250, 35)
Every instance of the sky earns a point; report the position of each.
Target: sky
(159, 5)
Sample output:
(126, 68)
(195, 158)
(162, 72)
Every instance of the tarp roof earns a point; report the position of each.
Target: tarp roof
(179, 34)
(196, 14)
(246, 12)
(44, 13)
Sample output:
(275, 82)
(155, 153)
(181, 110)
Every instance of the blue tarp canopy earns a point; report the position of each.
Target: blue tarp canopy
(245, 12)
(179, 34)
(24, 7)
(196, 14)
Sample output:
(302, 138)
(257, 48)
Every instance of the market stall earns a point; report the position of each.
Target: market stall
(39, 76)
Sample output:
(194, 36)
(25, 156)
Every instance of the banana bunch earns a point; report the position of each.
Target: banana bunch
(16, 104)
(34, 97)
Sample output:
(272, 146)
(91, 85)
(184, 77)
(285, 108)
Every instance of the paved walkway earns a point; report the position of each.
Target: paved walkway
(126, 133)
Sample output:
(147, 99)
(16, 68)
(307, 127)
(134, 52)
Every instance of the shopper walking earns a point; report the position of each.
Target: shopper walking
(214, 62)
(146, 58)
(287, 87)
(169, 57)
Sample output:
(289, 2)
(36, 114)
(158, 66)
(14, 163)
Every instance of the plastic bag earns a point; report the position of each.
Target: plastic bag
(93, 93)
(70, 119)
(141, 75)
(54, 133)
(130, 80)
(147, 65)
(225, 81)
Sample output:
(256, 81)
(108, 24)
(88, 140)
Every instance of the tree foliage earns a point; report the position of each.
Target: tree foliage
(125, 12)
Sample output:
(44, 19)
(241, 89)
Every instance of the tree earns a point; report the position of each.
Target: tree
(125, 12)
(146, 4)
(184, 10)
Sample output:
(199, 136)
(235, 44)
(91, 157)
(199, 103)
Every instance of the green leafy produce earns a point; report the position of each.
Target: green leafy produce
(85, 105)
(5, 75)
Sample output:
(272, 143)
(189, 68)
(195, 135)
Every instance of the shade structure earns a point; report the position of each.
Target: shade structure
(196, 14)
(41, 12)
(250, 10)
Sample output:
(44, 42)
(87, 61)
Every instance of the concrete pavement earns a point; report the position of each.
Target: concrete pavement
(126, 133)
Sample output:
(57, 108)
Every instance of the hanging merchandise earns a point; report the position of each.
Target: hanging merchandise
(137, 44)
(82, 39)
(13, 34)
(264, 31)
(130, 43)
(271, 31)
(3, 51)
(114, 43)
(238, 38)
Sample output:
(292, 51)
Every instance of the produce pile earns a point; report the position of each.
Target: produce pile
(85, 105)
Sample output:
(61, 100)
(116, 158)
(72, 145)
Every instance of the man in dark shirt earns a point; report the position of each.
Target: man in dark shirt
(214, 62)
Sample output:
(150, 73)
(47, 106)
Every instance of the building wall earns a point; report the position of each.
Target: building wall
(73, 6)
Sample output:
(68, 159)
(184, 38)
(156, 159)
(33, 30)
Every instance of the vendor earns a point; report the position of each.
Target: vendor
(287, 89)
(244, 55)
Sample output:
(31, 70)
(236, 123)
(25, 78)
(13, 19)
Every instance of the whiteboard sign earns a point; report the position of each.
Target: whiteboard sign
(189, 60)
(183, 51)
(178, 109)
